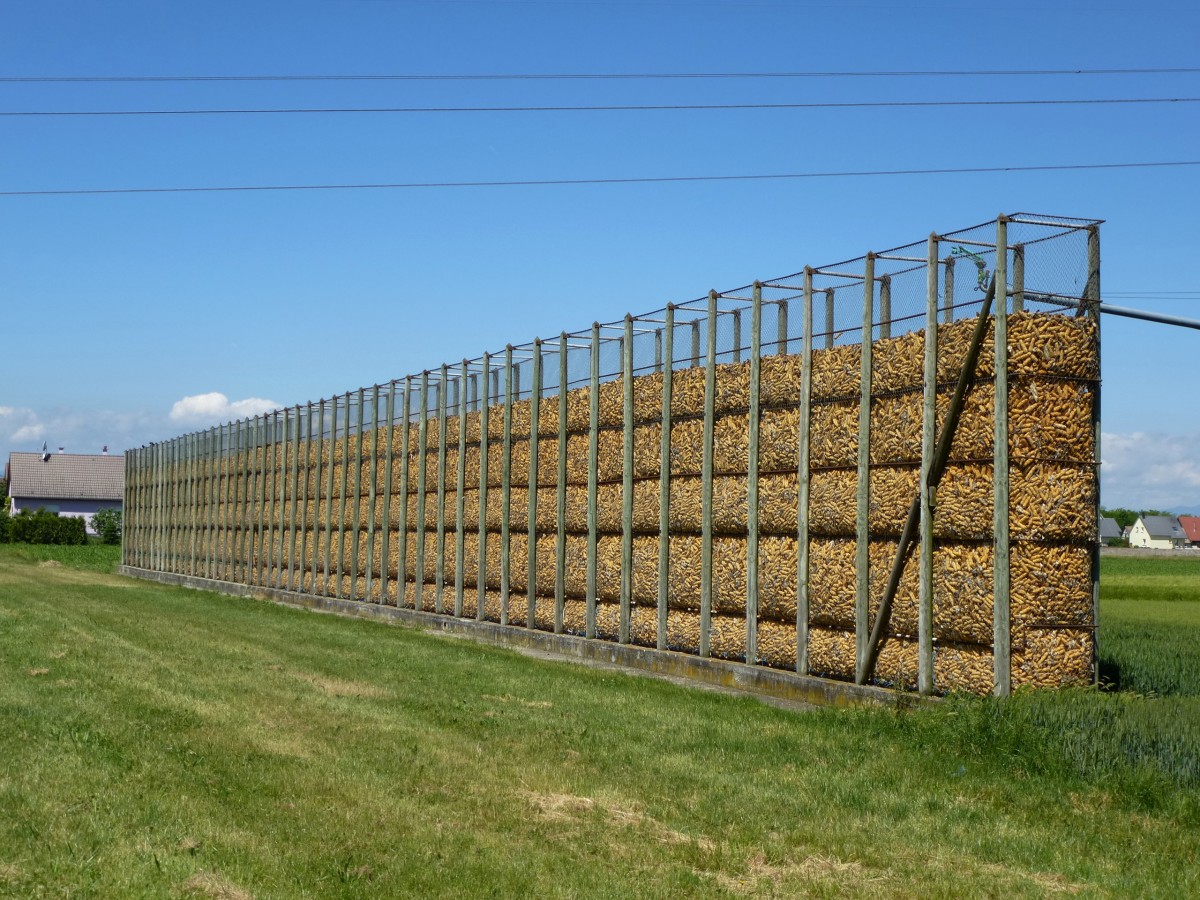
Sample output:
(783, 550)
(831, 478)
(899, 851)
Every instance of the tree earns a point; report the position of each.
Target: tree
(107, 524)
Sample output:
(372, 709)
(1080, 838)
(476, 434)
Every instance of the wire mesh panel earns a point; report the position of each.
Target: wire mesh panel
(840, 472)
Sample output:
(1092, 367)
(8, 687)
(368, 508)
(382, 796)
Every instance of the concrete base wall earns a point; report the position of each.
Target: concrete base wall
(752, 679)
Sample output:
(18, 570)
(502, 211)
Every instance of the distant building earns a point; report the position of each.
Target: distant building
(70, 484)
(1157, 533)
(1191, 528)
(1110, 531)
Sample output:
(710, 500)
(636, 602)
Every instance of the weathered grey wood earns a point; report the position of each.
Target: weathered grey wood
(829, 320)
(626, 484)
(885, 306)
(802, 475)
(422, 473)
(1002, 619)
(193, 502)
(781, 326)
(281, 563)
(295, 502)
(358, 517)
(506, 488)
(371, 499)
(328, 520)
(752, 474)
(948, 290)
(318, 480)
(695, 342)
(460, 536)
(706, 480)
(484, 437)
(1018, 278)
(405, 478)
(925, 673)
(560, 560)
(345, 487)
(535, 402)
(593, 455)
(737, 335)
(385, 564)
(664, 479)
(439, 575)
(1093, 296)
(862, 564)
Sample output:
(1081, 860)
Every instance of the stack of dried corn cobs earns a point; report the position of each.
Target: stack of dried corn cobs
(244, 516)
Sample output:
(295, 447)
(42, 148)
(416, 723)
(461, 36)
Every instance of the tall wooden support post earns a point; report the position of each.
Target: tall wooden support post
(280, 579)
(235, 473)
(372, 488)
(1093, 296)
(829, 321)
(535, 413)
(752, 476)
(339, 590)
(422, 474)
(328, 520)
(460, 500)
(706, 480)
(560, 496)
(737, 335)
(356, 542)
(317, 481)
(1018, 279)
(439, 575)
(506, 488)
(484, 435)
(1002, 617)
(696, 342)
(306, 445)
(802, 474)
(249, 513)
(658, 349)
(626, 484)
(781, 328)
(885, 306)
(925, 674)
(862, 561)
(132, 527)
(295, 499)
(664, 479)
(402, 530)
(948, 291)
(212, 518)
(385, 542)
(593, 461)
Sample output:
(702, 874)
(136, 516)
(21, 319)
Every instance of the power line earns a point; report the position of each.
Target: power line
(869, 104)
(597, 181)
(594, 76)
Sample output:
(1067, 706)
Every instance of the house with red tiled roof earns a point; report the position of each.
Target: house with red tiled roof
(70, 484)
(1191, 528)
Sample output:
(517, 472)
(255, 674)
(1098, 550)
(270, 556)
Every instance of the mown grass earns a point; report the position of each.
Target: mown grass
(166, 742)
(88, 557)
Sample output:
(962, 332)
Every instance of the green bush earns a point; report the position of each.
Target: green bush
(44, 527)
(5, 522)
(107, 524)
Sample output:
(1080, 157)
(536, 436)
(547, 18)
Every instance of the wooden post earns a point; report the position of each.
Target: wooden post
(460, 505)
(925, 674)
(862, 566)
(484, 436)
(752, 476)
(535, 411)
(422, 473)
(385, 564)
(803, 472)
(664, 479)
(1093, 297)
(1002, 619)
(506, 488)
(627, 485)
(345, 489)
(706, 480)
(560, 561)
(439, 575)
(593, 456)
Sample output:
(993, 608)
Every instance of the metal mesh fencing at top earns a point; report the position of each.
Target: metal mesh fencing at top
(756, 475)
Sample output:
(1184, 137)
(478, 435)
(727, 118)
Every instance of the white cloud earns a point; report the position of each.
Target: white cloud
(1143, 470)
(29, 433)
(216, 407)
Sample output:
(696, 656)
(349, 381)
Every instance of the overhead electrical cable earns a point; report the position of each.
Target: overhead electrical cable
(594, 76)
(547, 182)
(867, 104)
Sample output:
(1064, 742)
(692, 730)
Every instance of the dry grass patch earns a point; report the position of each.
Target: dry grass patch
(215, 886)
(571, 808)
(763, 876)
(340, 687)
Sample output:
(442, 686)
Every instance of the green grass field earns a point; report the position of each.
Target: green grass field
(162, 742)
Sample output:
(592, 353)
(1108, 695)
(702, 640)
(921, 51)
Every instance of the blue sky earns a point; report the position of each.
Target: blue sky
(119, 307)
